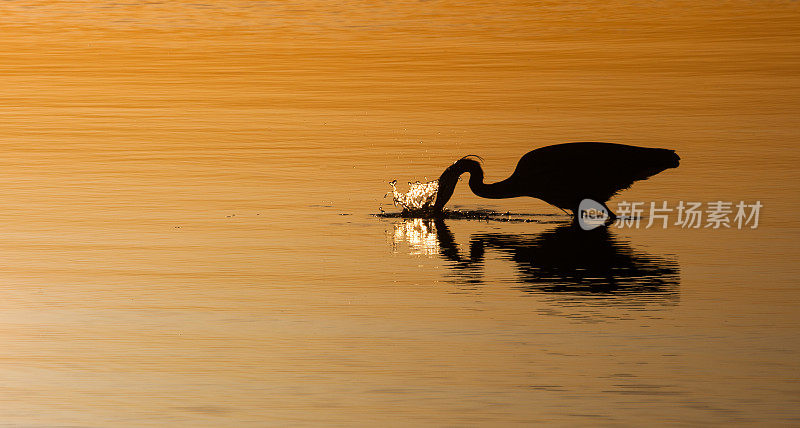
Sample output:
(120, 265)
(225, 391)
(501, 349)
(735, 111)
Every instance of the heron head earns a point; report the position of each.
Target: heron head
(449, 179)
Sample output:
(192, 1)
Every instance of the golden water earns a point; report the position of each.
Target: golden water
(188, 189)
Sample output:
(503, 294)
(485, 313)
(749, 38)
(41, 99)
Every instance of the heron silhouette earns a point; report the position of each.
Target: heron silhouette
(563, 174)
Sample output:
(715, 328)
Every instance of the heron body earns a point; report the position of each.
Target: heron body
(564, 174)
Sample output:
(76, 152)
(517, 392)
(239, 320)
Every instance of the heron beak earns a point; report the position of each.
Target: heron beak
(447, 185)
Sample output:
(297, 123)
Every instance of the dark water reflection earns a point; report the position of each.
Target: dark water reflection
(563, 259)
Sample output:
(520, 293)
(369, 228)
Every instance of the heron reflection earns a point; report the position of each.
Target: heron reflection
(563, 259)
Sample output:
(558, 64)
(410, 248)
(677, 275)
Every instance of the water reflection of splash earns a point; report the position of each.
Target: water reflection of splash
(419, 234)
(563, 260)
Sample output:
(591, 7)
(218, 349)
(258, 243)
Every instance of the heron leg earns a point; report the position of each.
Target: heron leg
(576, 212)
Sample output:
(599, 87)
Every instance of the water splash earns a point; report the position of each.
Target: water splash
(419, 198)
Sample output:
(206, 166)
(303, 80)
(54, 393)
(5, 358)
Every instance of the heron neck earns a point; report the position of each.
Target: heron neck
(499, 190)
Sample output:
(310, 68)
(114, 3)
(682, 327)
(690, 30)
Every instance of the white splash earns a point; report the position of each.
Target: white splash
(420, 196)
